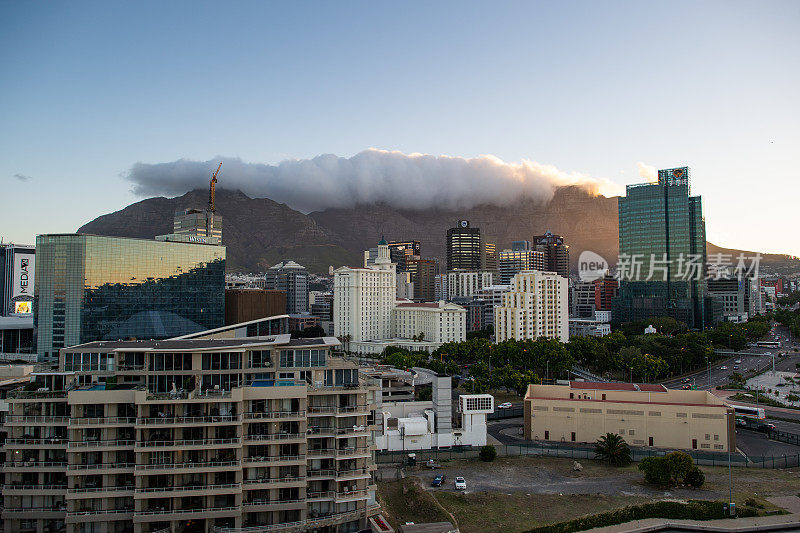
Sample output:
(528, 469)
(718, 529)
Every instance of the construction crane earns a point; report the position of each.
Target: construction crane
(211, 190)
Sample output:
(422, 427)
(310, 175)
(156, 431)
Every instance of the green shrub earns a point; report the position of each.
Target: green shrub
(695, 478)
(488, 453)
(678, 465)
(655, 470)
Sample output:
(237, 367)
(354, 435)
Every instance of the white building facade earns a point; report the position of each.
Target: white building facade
(536, 306)
(363, 299)
(438, 322)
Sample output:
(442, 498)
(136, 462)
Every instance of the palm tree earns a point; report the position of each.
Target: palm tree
(612, 449)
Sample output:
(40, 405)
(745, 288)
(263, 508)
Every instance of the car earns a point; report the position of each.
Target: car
(686, 380)
(723, 367)
(686, 387)
(460, 483)
(506, 405)
(766, 428)
(736, 367)
(738, 361)
(438, 480)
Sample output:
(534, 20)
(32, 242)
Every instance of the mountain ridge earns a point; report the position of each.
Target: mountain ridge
(259, 232)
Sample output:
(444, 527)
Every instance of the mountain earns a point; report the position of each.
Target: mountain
(259, 232)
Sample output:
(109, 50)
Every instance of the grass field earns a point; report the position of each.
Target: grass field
(516, 511)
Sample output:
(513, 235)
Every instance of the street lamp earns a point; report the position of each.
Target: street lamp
(730, 471)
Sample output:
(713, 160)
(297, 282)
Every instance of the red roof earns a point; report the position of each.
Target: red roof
(596, 385)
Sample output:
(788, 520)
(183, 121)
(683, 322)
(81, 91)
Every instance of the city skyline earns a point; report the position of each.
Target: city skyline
(600, 91)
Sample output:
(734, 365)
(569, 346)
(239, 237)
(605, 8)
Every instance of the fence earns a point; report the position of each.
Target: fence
(513, 412)
(783, 436)
(566, 451)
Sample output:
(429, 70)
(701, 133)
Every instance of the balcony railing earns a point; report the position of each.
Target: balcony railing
(274, 480)
(187, 442)
(173, 466)
(123, 510)
(273, 458)
(37, 440)
(308, 524)
(321, 495)
(25, 394)
(320, 473)
(253, 503)
(23, 486)
(34, 419)
(186, 511)
(101, 443)
(36, 464)
(100, 466)
(256, 415)
(205, 419)
(103, 420)
(80, 490)
(344, 452)
(275, 436)
(190, 488)
(320, 452)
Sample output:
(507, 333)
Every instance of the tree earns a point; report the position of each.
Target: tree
(488, 453)
(679, 464)
(613, 449)
(655, 470)
(671, 469)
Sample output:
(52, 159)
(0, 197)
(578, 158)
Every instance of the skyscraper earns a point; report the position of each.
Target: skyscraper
(513, 261)
(662, 248)
(410, 250)
(489, 256)
(91, 287)
(423, 276)
(292, 278)
(556, 253)
(464, 250)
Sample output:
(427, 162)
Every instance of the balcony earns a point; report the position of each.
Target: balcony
(353, 452)
(213, 465)
(321, 452)
(184, 420)
(274, 437)
(262, 505)
(322, 410)
(102, 421)
(274, 415)
(36, 395)
(161, 514)
(321, 431)
(99, 515)
(305, 525)
(275, 481)
(12, 420)
(321, 495)
(188, 443)
(354, 431)
(321, 474)
(256, 459)
(25, 489)
(110, 443)
(163, 492)
(60, 465)
(94, 467)
(350, 495)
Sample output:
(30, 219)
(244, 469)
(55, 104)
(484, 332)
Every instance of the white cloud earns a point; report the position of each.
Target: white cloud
(647, 172)
(398, 179)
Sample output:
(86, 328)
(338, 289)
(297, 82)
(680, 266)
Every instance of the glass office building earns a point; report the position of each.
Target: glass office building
(91, 287)
(662, 246)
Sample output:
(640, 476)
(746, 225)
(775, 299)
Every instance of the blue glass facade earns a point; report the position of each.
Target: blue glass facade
(662, 226)
(92, 288)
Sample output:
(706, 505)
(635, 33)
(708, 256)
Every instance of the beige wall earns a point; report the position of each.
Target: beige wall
(674, 419)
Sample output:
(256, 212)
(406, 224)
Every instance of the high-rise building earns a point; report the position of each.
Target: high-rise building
(662, 248)
(513, 261)
(536, 306)
(91, 287)
(410, 249)
(581, 299)
(606, 289)
(464, 250)
(363, 299)
(198, 223)
(17, 273)
(465, 284)
(556, 253)
(489, 256)
(202, 434)
(291, 278)
(423, 277)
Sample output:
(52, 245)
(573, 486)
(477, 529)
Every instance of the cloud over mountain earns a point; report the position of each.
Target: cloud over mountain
(398, 179)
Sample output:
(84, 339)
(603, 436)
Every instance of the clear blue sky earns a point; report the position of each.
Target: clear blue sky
(89, 88)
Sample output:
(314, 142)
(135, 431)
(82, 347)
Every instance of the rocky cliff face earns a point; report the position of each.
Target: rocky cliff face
(259, 232)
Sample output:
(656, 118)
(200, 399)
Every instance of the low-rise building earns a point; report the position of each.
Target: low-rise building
(438, 322)
(643, 414)
(598, 326)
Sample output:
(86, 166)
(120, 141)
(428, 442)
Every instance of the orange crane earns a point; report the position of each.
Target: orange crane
(211, 190)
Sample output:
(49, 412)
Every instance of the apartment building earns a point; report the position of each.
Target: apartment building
(536, 306)
(643, 414)
(439, 322)
(225, 435)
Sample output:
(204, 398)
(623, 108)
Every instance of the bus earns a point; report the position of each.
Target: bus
(745, 411)
(768, 344)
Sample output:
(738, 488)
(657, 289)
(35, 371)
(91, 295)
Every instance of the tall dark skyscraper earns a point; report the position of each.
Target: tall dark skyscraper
(91, 288)
(409, 250)
(556, 253)
(662, 246)
(464, 250)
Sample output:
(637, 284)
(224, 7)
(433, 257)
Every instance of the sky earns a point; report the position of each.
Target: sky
(88, 90)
